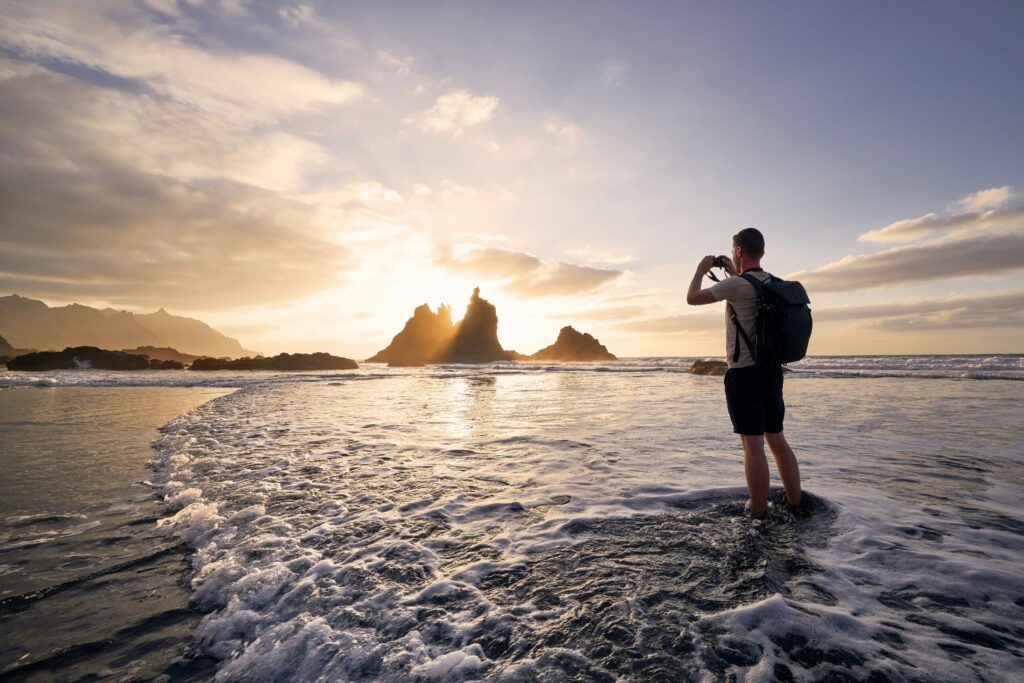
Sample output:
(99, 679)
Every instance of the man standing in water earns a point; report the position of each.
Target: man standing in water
(752, 393)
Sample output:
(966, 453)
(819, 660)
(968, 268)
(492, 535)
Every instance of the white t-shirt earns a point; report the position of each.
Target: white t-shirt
(743, 297)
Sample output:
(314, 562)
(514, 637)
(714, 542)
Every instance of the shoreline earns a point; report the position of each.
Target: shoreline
(88, 583)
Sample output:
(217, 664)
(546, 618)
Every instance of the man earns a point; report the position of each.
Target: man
(752, 393)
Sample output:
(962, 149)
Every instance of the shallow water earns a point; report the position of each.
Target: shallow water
(87, 584)
(586, 522)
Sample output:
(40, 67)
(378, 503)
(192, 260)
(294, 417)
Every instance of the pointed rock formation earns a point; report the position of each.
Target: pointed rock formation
(421, 338)
(574, 346)
(476, 336)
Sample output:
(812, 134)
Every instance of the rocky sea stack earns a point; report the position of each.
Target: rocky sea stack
(430, 337)
(284, 362)
(574, 346)
(420, 340)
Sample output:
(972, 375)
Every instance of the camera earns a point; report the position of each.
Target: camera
(718, 262)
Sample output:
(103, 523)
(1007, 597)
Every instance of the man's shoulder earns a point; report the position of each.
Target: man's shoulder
(733, 287)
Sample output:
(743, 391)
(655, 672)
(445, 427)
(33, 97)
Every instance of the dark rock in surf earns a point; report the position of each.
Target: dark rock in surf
(574, 346)
(709, 366)
(79, 357)
(284, 362)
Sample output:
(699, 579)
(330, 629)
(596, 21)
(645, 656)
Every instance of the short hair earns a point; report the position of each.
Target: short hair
(751, 241)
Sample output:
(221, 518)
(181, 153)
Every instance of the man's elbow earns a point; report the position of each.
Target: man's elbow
(700, 298)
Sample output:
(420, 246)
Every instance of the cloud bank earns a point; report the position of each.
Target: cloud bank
(85, 213)
(976, 242)
(525, 275)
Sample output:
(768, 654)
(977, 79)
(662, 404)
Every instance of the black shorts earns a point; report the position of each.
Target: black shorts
(754, 397)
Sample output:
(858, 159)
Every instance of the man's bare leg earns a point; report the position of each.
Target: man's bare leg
(785, 461)
(755, 467)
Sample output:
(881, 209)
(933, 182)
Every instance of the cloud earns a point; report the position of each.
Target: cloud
(939, 260)
(972, 243)
(568, 133)
(983, 255)
(610, 313)
(85, 213)
(1004, 309)
(457, 111)
(494, 263)
(402, 65)
(991, 198)
(247, 89)
(1000, 310)
(981, 212)
(526, 275)
(692, 323)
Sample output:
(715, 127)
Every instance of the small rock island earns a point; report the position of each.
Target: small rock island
(574, 346)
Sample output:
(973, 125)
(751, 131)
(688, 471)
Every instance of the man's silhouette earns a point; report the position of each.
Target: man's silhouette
(752, 393)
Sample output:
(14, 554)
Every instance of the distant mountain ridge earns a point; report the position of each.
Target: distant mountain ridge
(30, 323)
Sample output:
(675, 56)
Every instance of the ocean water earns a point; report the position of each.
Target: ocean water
(586, 522)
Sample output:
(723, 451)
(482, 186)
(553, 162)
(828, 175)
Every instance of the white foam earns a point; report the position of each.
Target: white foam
(326, 518)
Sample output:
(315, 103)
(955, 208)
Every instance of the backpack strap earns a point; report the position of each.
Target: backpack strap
(740, 332)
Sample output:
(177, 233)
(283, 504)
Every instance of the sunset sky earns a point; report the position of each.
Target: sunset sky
(302, 175)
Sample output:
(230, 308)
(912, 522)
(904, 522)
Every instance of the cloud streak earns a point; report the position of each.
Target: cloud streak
(979, 256)
(525, 275)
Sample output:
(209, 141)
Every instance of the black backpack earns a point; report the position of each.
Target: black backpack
(783, 324)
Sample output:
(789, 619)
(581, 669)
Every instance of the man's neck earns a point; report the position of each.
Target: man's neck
(749, 265)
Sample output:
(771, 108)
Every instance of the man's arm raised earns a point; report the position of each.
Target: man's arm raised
(696, 296)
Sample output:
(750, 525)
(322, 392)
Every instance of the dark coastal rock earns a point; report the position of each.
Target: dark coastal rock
(421, 338)
(285, 362)
(709, 366)
(476, 336)
(574, 346)
(430, 337)
(162, 353)
(157, 364)
(79, 357)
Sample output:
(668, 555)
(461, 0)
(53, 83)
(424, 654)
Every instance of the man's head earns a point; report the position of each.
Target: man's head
(747, 246)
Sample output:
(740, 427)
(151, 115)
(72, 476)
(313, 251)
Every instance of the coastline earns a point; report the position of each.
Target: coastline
(87, 583)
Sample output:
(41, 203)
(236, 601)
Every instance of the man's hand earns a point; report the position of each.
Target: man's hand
(729, 266)
(696, 296)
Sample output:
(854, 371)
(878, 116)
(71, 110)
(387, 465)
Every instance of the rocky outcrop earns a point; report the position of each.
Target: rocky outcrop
(162, 353)
(709, 366)
(476, 336)
(284, 362)
(574, 346)
(430, 337)
(80, 357)
(420, 340)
